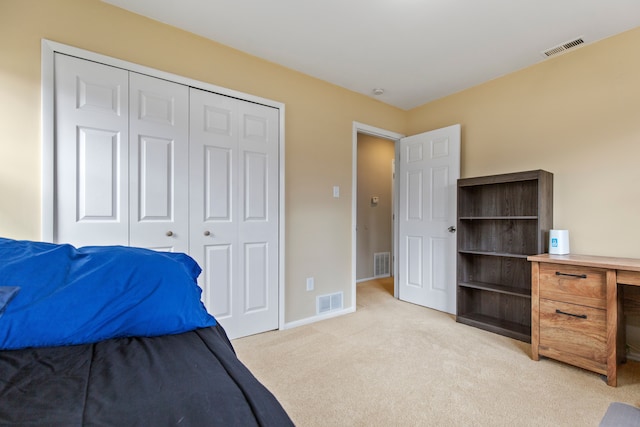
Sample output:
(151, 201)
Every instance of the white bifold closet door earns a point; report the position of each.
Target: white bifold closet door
(122, 153)
(234, 209)
(146, 162)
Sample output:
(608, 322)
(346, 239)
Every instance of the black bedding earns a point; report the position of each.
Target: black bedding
(188, 379)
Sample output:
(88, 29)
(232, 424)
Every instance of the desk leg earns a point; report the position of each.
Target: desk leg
(535, 310)
(612, 328)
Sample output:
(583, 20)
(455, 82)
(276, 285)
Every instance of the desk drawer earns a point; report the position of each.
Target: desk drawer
(574, 330)
(574, 284)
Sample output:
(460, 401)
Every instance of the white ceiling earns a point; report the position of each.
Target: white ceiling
(416, 50)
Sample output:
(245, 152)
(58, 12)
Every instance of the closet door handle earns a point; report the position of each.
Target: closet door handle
(207, 233)
(169, 233)
(579, 276)
(580, 316)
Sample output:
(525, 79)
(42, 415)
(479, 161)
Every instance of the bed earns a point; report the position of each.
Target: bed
(115, 336)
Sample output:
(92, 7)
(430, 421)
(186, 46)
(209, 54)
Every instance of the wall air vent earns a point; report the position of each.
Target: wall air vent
(381, 264)
(326, 303)
(564, 47)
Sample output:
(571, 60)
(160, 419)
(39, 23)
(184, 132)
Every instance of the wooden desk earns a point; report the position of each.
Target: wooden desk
(576, 310)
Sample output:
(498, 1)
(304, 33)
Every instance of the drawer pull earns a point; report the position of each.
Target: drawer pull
(579, 276)
(581, 316)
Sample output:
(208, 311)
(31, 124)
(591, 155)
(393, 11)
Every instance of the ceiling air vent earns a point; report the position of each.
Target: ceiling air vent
(563, 47)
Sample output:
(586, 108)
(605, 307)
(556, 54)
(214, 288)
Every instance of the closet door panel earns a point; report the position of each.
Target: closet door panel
(214, 234)
(155, 179)
(258, 217)
(256, 181)
(234, 205)
(256, 275)
(91, 148)
(213, 199)
(218, 274)
(217, 184)
(159, 162)
(97, 192)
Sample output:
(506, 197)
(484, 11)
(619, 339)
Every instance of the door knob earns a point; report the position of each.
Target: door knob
(169, 233)
(207, 233)
(452, 229)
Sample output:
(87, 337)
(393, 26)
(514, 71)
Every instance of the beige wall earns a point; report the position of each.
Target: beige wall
(577, 116)
(373, 231)
(318, 132)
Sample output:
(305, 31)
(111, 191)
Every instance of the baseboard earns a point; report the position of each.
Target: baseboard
(318, 318)
(372, 278)
(632, 355)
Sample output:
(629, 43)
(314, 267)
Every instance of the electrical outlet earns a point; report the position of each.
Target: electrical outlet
(310, 283)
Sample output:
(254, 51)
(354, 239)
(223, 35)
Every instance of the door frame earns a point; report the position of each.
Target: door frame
(384, 134)
(50, 48)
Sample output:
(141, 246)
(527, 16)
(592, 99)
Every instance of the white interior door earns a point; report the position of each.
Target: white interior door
(159, 163)
(91, 152)
(234, 210)
(429, 169)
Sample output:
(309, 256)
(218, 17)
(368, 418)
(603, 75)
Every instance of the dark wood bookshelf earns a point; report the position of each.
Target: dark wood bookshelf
(502, 219)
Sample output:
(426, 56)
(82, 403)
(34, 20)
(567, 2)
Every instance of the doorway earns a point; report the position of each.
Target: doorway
(374, 199)
(393, 137)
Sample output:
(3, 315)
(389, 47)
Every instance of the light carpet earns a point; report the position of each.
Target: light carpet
(392, 363)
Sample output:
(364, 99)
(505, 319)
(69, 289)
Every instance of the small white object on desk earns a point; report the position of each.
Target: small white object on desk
(559, 242)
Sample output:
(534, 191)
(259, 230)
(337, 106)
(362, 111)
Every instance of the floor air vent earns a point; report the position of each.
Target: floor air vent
(563, 47)
(381, 264)
(330, 302)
